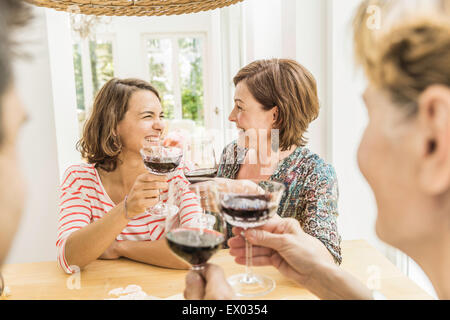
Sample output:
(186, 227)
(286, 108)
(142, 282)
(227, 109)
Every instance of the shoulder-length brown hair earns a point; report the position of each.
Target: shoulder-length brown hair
(289, 86)
(100, 144)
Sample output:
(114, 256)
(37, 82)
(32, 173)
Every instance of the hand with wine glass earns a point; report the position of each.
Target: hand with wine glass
(160, 160)
(281, 243)
(249, 204)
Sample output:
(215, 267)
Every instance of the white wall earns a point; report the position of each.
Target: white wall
(36, 237)
(349, 118)
(263, 28)
(312, 48)
(63, 87)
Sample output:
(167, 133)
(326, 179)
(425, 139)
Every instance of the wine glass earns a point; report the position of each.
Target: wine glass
(249, 204)
(200, 160)
(160, 160)
(196, 239)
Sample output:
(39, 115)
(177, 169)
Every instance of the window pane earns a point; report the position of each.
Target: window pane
(191, 78)
(78, 76)
(101, 63)
(159, 54)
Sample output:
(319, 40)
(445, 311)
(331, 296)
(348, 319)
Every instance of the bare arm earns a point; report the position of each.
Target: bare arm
(283, 244)
(329, 282)
(87, 244)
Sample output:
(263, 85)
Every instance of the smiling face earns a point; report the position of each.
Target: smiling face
(250, 117)
(143, 121)
(12, 184)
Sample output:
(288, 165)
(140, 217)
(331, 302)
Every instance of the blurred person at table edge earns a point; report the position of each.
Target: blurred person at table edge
(404, 155)
(13, 14)
(274, 103)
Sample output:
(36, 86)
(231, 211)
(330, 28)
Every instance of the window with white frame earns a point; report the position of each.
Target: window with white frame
(176, 68)
(175, 65)
(93, 67)
(187, 58)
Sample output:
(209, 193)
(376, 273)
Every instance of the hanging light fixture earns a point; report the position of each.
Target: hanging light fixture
(134, 7)
(84, 26)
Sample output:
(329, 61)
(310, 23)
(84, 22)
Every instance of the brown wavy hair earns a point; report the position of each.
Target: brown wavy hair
(100, 144)
(408, 52)
(292, 88)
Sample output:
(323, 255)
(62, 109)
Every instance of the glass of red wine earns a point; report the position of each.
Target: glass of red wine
(249, 204)
(200, 160)
(200, 234)
(160, 160)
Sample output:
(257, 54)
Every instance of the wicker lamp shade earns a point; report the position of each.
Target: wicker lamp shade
(133, 7)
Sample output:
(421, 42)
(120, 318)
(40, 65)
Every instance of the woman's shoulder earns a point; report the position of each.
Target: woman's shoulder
(77, 172)
(233, 150)
(304, 161)
(231, 147)
(81, 168)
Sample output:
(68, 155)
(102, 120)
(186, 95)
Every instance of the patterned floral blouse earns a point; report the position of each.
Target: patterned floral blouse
(311, 192)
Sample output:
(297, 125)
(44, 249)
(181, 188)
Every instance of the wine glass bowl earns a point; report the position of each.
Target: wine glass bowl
(249, 204)
(205, 234)
(160, 160)
(200, 155)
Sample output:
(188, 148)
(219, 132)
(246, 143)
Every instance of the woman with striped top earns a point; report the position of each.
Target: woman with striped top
(102, 202)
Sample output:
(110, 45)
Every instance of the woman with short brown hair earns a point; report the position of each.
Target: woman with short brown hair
(103, 201)
(275, 101)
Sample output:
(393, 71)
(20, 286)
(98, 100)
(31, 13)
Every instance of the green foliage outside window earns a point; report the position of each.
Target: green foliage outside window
(160, 81)
(101, 63)
(192, 83)
(78, 76)
(191, 73)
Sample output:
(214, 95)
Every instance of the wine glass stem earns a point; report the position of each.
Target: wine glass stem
(248, 260)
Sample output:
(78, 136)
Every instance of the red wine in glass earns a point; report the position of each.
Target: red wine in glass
(160, 160)
(249, 204)
(197, 241)
(247, 211)
(200, 175)
(161, 166)
(196, 246)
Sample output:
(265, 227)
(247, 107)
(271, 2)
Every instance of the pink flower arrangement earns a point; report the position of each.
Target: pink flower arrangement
(176, 138)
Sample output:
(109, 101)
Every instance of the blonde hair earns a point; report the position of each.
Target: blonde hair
(292, 88)
(410, 49)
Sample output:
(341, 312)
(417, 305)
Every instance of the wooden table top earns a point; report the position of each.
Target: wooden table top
(44, 280)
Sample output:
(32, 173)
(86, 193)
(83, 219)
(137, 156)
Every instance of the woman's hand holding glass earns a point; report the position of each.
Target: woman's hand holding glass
(145, 193)
(283, 244)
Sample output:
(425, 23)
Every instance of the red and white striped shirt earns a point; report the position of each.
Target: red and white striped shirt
(83, 200)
